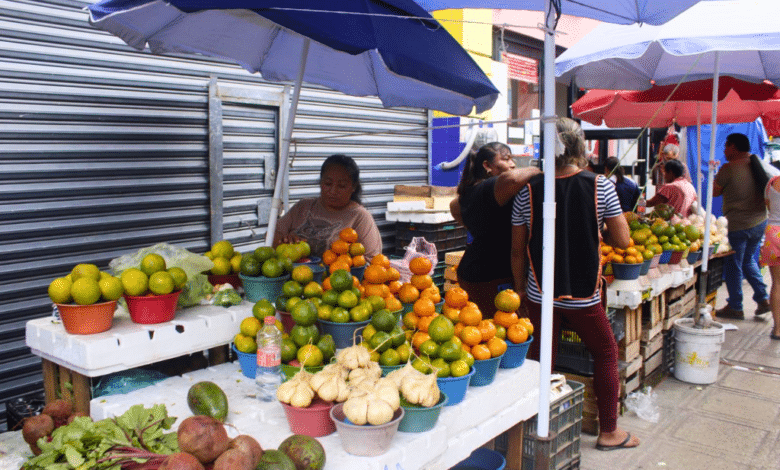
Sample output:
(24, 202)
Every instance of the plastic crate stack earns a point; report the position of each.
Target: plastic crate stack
(566, 423)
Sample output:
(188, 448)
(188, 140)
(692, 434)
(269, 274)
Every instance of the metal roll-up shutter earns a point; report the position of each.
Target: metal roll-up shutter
(106, 150)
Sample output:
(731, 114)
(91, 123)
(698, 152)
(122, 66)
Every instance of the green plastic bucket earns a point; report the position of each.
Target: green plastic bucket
(261, 287)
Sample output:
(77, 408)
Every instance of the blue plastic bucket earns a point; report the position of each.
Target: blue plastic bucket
(342, 332)
(515, 354)
(261, 287)
(626, 271)
(645, 267)
(358, 271)
(421, 419)
(665, 256)
(248, 363)
(455, 387)
(482, 459)
(694, 256)
(485, 371)
(439, 306)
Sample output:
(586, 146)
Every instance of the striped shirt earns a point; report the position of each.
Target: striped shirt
(608, 206)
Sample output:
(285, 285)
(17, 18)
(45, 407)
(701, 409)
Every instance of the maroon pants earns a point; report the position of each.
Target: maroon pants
(593, 328)
(484, 293)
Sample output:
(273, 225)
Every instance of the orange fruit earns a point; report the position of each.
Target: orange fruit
(526, 322)
(424, 307)
(326, 284)
(394, 286)
(465, 347)
(470, 335)
(480, 352)
(381, 260)
(420, 265)
(348, 235)
(358, 260)
(505, 319)
(424, 322)
(345, 258)
(329, 257)
(497, 347)
(393, 274)
(517, 333)
(488, 330)
(431, 293)
(421, 281)
(606, 249)
(458, 328)
(470, 315)
(456, 297)
(615, 258)
(418, 338)
(373, 289)
(410, 320)
(450, 312)
(507, 300)
(375, 274)
(339, 265)
(355, 281)
(408, 293)
(340, 247)
(385, 290)
(392, 303)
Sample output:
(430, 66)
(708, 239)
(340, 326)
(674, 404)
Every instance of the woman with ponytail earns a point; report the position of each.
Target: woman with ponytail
(487, 186)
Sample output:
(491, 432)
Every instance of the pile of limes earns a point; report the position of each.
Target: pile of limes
(269, 262)
(153, 277)
(384, 337)
(226, 260)
(300, 286)
(341, 300)
(85, 285)
(346, 252)
(246, 339)
(304, 343)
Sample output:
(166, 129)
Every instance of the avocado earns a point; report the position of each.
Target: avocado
(305, 452)
(206, 398)
(275, 460)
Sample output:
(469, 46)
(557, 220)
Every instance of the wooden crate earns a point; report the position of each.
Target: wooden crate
(653, 314)
(451, 273)
(435, 197)
(449, 285)
(653, 363)
(680, 308)
(627, 352)
(648, 348)
(452, 258)
(632, 321)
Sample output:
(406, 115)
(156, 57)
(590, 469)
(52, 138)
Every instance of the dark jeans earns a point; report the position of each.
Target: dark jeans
(743, 264)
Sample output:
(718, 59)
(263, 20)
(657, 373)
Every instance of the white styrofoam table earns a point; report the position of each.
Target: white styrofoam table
(127, 345)
(656, 282)
(484, 413)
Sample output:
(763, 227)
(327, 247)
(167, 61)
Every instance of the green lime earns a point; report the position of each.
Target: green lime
(368, 332)
(179, 277)
(429, 348)
(441, 366)
(327, 346)
(245, 344)
(302, 274)
(289, 350)
(304, 313)
(223, 249)
(264, 253)
(303, 335)
(459, 368)
(384, 320)
(377, 303)
(85, 291)
(304, 248)
(310, 355)
(221, 267)
(272, 268)
(404, 351)
(134, 281)
(398, 336)
(281, 303)
(341, 280)
(331, 297)
(339, 315)
(360, 313)
(450, 351)
(441, 329)
(324, 311)
(263, 308)
(287, 264)
(348, 299)
(312, 290)
(422, 365)
(380, 341)
(250, 266)
(466, 356)
(389, 358)
(110, 288)
(292, 289)
(85, 270)
(161, 283)
(152, 263)
(59, 290)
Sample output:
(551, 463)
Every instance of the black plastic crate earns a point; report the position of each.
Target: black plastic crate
(566, 421)
(715, 273)
(573, 356)
(17, 409)
(668, 351)
(432, 232)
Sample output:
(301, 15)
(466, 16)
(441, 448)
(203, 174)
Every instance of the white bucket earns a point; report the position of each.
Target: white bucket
(697, 351)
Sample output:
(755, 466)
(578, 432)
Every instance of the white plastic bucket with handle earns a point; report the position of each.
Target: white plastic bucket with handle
(697, 351)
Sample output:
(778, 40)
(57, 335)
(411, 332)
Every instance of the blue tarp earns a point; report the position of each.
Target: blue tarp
(753, 130)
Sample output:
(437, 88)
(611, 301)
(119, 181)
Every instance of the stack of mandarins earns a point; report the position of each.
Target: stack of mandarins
(517, 329)
(421, 283)
(381, 279)
(480, 337)
(346, 252)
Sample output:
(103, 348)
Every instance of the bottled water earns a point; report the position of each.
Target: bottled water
(269, 359)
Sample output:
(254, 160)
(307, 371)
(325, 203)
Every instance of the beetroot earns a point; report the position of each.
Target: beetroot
(36, 427)
(181, 461)
(204, 437)
(234, 459)
(248, 445)
(59, 410)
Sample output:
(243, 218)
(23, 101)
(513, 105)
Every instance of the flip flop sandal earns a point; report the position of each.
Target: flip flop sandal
(622, 445)
(774, 336)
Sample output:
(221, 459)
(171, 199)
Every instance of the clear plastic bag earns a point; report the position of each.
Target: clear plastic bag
(193, 264)
(419, 246)
(126, 382)
(643, 403)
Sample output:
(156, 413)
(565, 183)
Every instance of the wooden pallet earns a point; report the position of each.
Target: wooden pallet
(653, 314)
(648, 348)
(627, 352)
(632, 322)
(680, 308)
(652, 364)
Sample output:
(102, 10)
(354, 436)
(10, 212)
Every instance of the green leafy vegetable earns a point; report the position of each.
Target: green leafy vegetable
(227, 298)
(134, 441)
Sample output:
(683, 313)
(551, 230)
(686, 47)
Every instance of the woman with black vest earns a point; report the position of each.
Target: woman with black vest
(584, 203)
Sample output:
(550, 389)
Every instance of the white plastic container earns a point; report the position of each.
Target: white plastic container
(697, 351)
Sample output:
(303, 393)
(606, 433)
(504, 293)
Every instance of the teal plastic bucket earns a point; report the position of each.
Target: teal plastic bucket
(358, 271)
(455, 387)
(420, 418)
(645, 267)
(387, 369)
(342, 332)
(482, 459)
(485, 371)
(515, 354)
(248, 363)
(261, 287)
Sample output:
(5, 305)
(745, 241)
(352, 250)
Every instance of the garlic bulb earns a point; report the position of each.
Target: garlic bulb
(330, 385)
(353, 357)
(297, 393)
(372, 371)
(398, 375)
(421, 389)
(368, 409)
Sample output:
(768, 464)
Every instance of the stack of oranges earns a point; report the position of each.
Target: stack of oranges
(381, 279)
(478, 336)
(346, 252)
(421, 284)
(517, 329)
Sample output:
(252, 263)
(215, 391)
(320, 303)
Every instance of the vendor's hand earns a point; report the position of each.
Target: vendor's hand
(291, 238)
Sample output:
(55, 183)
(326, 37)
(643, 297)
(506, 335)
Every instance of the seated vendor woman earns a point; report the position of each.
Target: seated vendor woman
(677, 192)
(319, 220)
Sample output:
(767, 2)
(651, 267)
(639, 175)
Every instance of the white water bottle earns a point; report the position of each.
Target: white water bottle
(641, 207)
(269, 359)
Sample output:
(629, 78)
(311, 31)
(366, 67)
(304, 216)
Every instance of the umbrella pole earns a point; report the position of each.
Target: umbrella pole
(698, 152)
(284, 155)
(710, 169)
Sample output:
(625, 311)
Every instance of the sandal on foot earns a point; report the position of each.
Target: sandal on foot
(774, 336)
(622, 445)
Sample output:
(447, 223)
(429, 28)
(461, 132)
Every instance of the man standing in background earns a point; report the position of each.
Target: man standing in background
(745, 211)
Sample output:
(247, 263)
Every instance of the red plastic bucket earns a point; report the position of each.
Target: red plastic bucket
(287, 322)
(231, 279)
(313, 421)
(150, 309)
(87, 319)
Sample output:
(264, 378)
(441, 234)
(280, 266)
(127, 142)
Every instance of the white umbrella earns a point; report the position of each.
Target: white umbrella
(613, 11)
(736, 38)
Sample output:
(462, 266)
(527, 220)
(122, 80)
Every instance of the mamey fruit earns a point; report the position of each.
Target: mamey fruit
(275, 460)
(306, 452)
(206, 398)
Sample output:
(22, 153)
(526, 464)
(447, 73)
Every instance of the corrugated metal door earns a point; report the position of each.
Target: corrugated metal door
(106, 150)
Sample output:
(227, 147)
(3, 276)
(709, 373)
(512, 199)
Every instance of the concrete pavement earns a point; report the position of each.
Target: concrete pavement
(733, 424)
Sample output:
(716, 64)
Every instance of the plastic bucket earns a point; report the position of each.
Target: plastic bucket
(421, 419)
(626, 271)
(387, 369)
(248, 363)
(482, 459)
(515, 354)
(287, 322)
(231, 279)
(665, 256)
(694, 256)
(313, 421)
(365, 440)
(87, 319)
(342, 332)
(485, 371)
(150, 309)
(645, 267)
(697, 351)
(358, 271)
(261, 287)
(289, 370)
(676, 257)
(455, 387)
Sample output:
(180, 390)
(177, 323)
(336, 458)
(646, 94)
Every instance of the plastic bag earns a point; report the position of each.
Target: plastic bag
(643, 403)
(419, 246)
(197, 286)
(126, 382)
